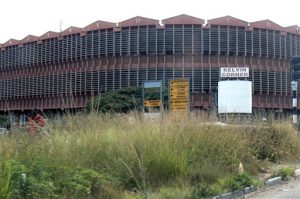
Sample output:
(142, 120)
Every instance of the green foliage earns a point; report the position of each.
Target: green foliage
(5, 180)
(233, 183)
(202, 191)
(276, 142)
(124, 156)
(37, 180)
(240, 181)
(3, 120)
(205, 172)
(172, 193)
(285, 173)
(118, 101)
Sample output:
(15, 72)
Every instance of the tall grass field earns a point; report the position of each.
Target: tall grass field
(126, 156)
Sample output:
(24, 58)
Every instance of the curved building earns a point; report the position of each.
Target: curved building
(64, 70)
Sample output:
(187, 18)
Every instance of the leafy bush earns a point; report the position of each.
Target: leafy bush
(118, 101)
(122, 101)
(37, 180)
(240, 181)
(276, 142)
(202, 191)
(286, 172)
(237, 182)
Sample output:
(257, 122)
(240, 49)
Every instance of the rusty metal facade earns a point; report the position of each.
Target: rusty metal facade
(64, 70)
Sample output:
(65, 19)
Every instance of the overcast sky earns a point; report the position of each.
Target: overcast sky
(19, 18)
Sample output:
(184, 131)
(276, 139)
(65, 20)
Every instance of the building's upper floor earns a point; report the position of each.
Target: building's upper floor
(182, 34)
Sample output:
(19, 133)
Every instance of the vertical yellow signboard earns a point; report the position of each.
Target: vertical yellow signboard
(179, 95)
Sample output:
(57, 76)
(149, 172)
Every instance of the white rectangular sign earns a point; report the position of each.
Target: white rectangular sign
(235, 96)
(294, 85)
(228, 72)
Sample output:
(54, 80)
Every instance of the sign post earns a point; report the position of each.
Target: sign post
(152, 96)
(234, 92)
(179, 95)
(295, 69)
(294, 90)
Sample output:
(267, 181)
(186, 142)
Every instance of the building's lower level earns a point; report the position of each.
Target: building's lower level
(72, 84)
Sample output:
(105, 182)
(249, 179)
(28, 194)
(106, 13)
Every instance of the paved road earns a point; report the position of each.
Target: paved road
(286, 190)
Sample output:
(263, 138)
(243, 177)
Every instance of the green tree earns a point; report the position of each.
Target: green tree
(118, 101)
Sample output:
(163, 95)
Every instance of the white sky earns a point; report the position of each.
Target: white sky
(19, 18)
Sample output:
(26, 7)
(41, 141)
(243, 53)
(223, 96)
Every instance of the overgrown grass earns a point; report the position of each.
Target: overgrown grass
(286, 172)
(124, 156)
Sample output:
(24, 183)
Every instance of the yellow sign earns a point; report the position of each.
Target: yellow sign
(174, 95)
(151, 103)
(179, 90)
(179, 95)
(180, 108)
(179, 81)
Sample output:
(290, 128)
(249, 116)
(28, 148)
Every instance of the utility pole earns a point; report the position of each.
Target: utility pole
(295, 76)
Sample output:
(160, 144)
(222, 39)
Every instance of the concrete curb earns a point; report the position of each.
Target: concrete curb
(247, 190)
(297, 173)
(250, 189)
(273, 181)
(236, 194)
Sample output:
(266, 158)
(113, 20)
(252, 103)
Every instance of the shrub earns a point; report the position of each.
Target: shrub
(286, 172)
(118, 101)
(240, 181)
(276, 142)
(202, 190)
(37, 180)
(244, 180)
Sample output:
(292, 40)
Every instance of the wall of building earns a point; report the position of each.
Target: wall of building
(65, 71)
